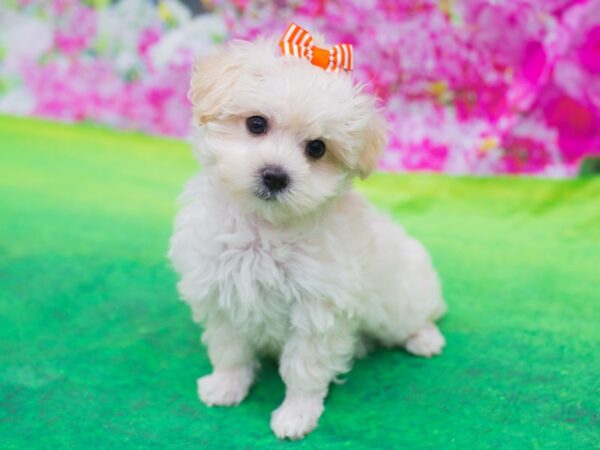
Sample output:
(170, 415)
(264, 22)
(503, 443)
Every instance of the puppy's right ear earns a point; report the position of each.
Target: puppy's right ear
(375, 138)
(213, 77)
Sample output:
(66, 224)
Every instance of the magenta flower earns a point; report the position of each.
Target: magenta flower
(589, 52)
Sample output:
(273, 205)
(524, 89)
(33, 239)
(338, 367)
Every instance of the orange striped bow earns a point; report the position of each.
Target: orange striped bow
(298, 42)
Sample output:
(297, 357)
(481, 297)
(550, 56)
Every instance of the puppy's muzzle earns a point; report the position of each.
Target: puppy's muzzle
(273, 180)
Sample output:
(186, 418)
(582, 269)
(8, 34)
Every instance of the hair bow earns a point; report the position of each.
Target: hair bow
(298, 42)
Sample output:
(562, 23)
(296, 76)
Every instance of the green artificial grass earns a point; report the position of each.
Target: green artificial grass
(96, 351)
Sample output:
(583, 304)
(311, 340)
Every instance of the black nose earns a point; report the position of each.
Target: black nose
(274, 178)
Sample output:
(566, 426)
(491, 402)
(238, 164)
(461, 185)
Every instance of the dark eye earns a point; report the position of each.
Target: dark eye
(315, 149)
(256, 124)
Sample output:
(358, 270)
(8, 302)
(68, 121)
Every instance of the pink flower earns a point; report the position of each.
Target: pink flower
(424, 156)
(60, 6)
(148, 37)
(589, 52)
(578, 126)
(522, 155)
(77, 28)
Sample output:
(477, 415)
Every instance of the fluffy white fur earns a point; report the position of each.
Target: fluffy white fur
(313, 275)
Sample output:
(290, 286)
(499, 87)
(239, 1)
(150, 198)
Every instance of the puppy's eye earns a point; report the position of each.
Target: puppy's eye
(256, 125)
(315, 149)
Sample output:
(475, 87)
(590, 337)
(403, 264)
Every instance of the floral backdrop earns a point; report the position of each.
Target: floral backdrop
(468, 86)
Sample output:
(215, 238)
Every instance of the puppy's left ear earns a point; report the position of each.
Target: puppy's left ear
(375, 138)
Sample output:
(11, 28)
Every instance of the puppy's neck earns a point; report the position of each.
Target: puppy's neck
(305, 223)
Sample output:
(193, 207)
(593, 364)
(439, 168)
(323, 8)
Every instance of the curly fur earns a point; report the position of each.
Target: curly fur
(307, 277)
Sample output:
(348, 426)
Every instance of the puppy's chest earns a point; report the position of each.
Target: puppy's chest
(260, 277)
(251, 259)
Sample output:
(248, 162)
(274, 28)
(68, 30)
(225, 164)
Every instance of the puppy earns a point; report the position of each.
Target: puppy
(277, 255)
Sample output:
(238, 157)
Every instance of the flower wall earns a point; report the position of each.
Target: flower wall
(124, 64)
(468, 86)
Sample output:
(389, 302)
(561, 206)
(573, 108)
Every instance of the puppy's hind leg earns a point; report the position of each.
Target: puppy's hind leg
(234, 365)
(426, 342)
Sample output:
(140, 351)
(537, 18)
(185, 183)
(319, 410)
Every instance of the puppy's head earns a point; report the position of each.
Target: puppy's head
(283, 137)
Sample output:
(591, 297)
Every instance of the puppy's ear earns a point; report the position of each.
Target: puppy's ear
(213, 77)
(375, 138)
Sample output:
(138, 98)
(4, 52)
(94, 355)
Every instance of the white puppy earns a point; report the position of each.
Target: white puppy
(277, 255)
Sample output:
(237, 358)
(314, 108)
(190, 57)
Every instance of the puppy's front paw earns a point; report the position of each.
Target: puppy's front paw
(426, 342)
(297, 416)
(225, 388)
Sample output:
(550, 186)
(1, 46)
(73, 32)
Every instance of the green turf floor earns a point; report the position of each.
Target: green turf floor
(96, 351)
